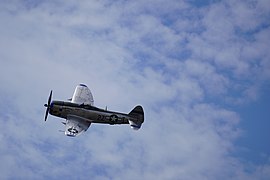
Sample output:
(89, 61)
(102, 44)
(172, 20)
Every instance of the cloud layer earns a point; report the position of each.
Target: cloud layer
(190, 65)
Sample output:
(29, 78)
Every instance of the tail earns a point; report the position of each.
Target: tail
(136, 117)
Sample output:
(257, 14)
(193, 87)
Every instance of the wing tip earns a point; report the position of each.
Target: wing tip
(83, 85)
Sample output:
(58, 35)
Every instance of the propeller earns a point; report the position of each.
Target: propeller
(48, 106)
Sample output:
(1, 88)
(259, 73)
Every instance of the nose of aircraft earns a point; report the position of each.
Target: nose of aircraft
(51, 105)
(48, 106)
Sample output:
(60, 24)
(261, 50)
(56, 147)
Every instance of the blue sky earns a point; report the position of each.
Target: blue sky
(200, 69)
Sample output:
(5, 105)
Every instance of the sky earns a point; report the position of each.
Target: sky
(200, 69)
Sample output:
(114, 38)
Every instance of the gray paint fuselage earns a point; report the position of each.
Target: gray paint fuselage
(89, 113)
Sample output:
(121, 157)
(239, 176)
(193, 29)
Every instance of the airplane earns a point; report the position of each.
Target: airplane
(80, 112)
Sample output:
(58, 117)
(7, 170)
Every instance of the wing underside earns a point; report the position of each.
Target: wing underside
(82, 95)
(76, 125)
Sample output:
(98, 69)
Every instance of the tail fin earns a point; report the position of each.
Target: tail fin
(136, 117)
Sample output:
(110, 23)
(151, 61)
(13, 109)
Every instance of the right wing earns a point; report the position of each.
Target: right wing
(82, 95)
(76, 125)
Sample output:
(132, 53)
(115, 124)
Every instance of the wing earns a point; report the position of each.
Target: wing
(76, 125)
(82, 95)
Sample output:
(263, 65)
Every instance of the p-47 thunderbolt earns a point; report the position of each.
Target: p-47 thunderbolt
(80, 112)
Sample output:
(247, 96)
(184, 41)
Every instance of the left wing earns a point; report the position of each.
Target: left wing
(76, 125)
(82, 95)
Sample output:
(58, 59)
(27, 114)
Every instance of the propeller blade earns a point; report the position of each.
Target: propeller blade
(46, 115)
(48, 106)
(50, 98)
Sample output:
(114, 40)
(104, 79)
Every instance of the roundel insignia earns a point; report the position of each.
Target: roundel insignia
(113, 118)
(72, 130)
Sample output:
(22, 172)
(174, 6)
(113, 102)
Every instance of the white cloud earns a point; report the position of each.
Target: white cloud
(183, 64)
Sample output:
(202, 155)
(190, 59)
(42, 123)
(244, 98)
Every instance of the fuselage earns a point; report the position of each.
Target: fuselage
(89, 113)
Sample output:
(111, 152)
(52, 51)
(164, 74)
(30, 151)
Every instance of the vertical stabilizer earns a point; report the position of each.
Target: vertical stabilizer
(136, 117)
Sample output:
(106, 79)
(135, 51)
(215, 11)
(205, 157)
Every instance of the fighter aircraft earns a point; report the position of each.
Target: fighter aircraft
(80, 112)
